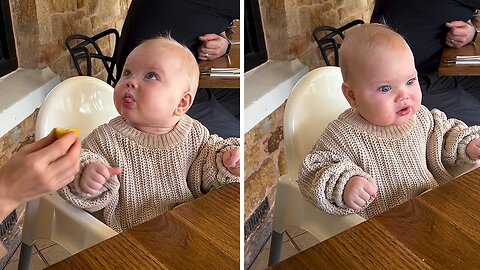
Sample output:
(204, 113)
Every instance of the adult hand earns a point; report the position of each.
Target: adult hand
(357, 192)
(231, 161)
(37, 169)
(95, 176)
(213, 46)
(460, 34)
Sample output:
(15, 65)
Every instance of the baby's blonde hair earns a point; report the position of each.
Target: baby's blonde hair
(190, 63)
(363, 41)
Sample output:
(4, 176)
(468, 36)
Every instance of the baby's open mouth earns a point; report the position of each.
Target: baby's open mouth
(128, 98)
(405, 110)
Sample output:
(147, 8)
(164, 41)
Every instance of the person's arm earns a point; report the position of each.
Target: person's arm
(208, 171)
(37, 169)
(455, 136)
(323, 178)
(93, 153)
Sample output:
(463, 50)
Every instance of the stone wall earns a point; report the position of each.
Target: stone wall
(40, 29)
(294, 21)
(288, 27)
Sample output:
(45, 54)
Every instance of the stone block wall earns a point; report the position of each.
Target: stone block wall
(40, 28)
(288, 27)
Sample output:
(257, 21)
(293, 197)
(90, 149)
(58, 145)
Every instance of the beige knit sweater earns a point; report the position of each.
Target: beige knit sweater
(159, 171)
(401, 161)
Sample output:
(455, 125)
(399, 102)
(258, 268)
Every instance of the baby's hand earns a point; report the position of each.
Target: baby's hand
(231, 161)
(473, 149)
(95, 175)
(357, 192)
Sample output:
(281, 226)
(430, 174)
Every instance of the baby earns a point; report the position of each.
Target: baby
(153, 157)
(387, 148)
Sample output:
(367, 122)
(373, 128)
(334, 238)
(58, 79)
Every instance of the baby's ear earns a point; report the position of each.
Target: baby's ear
(349, 94)
(185, 103)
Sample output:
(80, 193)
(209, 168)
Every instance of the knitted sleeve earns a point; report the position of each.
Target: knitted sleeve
(207, 171)
(456, 136)
(323, 176)
(91, 152)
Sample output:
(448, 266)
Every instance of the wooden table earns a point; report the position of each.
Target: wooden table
(202, 234)
(232, 60)
(462, 69)
(437, 230)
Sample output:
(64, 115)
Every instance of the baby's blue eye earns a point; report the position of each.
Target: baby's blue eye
(151, 76)
(385, 88)
(126, 73)
(411, 81)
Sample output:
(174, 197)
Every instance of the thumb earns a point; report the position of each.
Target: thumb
(114, 171)
(234, 157)
(371, 189)
(454, 24)
(207, 37)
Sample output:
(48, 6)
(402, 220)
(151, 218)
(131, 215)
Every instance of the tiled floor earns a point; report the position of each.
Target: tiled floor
(44, 253)
(294, 241)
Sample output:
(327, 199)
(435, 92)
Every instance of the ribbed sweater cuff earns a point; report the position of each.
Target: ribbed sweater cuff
(342, 182)
(462, 148)
(224, 175)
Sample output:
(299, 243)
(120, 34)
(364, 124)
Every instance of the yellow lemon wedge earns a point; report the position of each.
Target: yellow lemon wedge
(59, 132)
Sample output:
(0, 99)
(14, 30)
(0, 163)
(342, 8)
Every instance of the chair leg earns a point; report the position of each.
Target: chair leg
(275, 248)
(25, 257)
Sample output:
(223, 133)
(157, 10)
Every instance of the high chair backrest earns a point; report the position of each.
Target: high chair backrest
(83, 102)
(315, 101)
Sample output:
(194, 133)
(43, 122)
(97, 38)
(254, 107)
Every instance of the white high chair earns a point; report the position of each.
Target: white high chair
(315, 100)
(85, 103)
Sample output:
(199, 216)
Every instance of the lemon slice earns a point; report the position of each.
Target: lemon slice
(59, 132)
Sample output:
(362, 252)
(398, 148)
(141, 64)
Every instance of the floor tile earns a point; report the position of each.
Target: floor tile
(36, 263)
(15, 255)
(54, 254)
(42, 244)
(295, 231)
(261, 262)
(305, 240)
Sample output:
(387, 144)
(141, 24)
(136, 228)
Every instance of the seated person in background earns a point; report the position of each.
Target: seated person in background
(201, 26)
(387, 148)
(153, 157)
(429, 26)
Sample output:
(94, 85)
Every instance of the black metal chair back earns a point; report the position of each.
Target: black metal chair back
(329, 41)
(83, 48)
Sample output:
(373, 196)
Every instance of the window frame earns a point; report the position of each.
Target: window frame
(255, 49)
(8, 55)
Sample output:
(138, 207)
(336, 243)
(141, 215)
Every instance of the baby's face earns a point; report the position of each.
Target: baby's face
(386, 87)
(152, 85)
